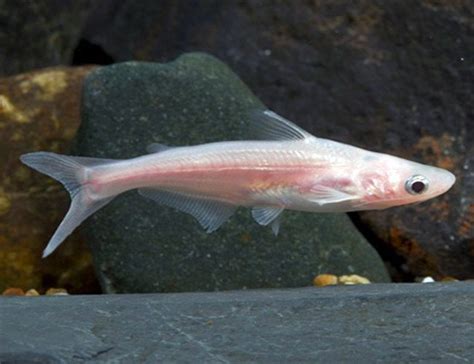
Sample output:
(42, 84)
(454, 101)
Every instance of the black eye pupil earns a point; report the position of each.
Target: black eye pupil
(418, 186)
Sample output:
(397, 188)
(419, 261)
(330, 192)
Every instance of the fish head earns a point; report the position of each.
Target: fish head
(387, 181)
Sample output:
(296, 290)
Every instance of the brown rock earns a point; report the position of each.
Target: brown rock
(322, 280)
(38, 111)
(32, 292)
(12, 291)
(353, 279)
(56, 292)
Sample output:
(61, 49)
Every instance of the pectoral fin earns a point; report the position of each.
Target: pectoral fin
(323, 195)
(210, 214)
(268, 215)
(276, 225)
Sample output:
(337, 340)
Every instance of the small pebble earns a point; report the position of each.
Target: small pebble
(353, 279)
(325, 280)
(32, 292)
(13, 291)
(56, 292)
(427, 280)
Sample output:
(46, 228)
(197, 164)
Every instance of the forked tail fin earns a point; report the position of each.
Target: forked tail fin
(72, 173)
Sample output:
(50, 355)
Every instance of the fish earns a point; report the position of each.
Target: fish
(283, 167)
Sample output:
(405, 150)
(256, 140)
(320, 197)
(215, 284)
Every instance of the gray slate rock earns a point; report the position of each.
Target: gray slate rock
(392, 323)
(140, 246)
(393, 76)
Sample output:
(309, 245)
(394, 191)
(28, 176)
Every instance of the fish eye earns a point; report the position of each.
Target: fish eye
(416, 185)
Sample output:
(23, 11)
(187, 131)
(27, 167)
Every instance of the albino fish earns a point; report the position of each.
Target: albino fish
(290, 169)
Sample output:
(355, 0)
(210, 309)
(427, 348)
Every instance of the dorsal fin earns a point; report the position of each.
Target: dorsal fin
(157, 148)
(270, 126)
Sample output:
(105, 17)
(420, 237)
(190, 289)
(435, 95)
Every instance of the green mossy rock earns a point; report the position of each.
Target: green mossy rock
(140, 246)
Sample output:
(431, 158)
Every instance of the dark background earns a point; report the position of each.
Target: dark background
(391, 76)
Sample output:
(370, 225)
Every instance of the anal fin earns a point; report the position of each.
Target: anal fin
(210, 214)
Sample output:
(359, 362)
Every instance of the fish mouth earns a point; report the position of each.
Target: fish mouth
(446, 181)
(451, 180)
(395, 202)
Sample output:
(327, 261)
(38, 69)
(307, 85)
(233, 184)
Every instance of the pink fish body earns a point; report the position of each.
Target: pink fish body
(290, 170)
